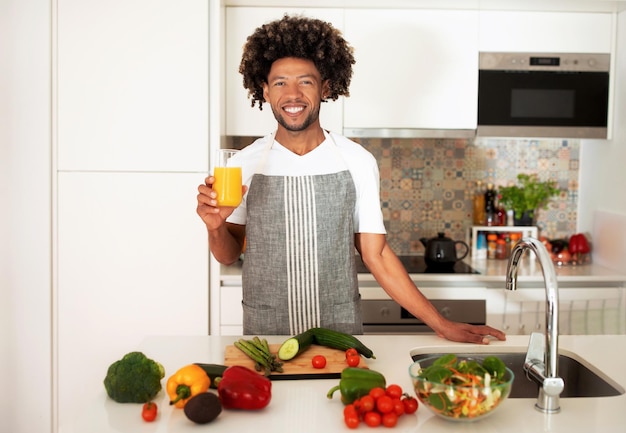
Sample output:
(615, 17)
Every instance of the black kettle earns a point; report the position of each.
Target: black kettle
(442, 250)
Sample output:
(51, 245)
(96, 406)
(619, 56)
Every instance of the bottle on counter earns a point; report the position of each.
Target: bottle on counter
(490, 206)
(481, 246)
(500, 212)
(508, 245)
(501, 252)
(479, 205)
(492, 244)
(510, 217)
(514, 237)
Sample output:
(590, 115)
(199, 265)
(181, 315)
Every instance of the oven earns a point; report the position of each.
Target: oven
(385, 316)
(543, 95)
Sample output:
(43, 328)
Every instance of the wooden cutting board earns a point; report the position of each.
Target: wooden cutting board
(300, 367)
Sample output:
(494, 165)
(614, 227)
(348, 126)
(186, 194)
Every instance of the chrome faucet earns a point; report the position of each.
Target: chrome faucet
(542, 358)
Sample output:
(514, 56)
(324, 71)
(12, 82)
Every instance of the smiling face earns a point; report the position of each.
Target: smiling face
(294, 90)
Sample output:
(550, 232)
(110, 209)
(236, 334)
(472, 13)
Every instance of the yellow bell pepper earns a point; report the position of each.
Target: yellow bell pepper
(185, 383)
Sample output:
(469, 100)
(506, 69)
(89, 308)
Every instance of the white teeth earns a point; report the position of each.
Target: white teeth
(294, 109)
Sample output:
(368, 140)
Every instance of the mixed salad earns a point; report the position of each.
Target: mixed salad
(465, 388)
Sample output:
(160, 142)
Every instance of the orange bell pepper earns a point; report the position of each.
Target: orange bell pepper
(185, 383)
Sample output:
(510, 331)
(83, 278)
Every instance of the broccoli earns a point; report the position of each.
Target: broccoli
(134, 379)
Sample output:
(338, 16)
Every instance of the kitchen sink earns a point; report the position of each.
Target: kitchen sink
(581, 378)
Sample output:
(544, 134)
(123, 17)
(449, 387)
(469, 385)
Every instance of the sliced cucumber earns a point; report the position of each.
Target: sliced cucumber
(295, 345)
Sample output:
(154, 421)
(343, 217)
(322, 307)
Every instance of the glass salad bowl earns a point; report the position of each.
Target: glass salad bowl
(460, 388)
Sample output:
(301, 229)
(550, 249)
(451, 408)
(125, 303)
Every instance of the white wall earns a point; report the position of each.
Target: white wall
(25, 217)
(603, 172)
(603, 160)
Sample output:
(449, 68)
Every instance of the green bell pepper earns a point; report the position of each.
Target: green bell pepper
(356, 382)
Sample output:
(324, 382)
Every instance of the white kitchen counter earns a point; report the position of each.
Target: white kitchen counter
(490, 271)
(301, 406)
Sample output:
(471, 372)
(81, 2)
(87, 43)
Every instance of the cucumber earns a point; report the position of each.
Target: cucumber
(340, 340)
(295, 345)
(214, 371)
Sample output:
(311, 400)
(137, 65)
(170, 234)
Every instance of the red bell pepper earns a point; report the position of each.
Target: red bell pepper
(243, 388)
(574, 244)
(578, 244)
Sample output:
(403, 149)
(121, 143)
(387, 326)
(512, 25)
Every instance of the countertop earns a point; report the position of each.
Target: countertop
(491, 271)
(302, 406)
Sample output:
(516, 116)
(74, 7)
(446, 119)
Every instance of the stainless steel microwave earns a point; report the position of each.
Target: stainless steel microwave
(543, 95)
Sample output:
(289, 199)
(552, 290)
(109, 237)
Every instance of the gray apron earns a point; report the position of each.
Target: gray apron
(299, 269)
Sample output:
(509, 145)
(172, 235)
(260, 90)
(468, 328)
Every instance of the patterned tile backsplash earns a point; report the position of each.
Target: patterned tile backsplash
(427, 184)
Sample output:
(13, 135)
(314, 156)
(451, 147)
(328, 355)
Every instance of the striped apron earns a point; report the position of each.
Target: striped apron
(299, 269)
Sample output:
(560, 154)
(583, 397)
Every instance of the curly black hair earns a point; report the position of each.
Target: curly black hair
(300, 37)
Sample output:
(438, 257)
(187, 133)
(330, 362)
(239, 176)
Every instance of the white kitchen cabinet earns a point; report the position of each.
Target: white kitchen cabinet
(569, 32)
(231, 313)
(132, 83)
(415, 69)
(132, 262)
(241, 118)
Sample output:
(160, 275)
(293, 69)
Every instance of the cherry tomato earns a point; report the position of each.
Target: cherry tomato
(384, 404)
(318, 361)
(353, 360)
(352, 421)
(367, 403)
(349, 409)
(398, 406)
(372, 419)
(377, 392)
(351, 352)
(149, 411)
(410, 404)
(394, 391)
(390, 419)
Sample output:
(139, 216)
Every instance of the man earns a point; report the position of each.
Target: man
(311, 198)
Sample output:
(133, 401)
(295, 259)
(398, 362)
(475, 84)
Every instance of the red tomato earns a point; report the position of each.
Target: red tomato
(398, 406)
(394, 391)
(390, 419)
(372, 419)
(384, 404)
(149, 411)
(351, 352)
(352, 421)
(353, 360)
(349, 409)
(318, 361)
(367, 403)
(410, 404)
(377, 392)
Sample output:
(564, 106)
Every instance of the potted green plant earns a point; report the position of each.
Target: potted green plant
(524, 199)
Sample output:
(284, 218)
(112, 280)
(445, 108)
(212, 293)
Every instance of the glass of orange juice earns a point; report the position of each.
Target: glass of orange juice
(227, 175)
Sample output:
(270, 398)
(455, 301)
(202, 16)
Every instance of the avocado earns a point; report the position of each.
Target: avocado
(203, 408)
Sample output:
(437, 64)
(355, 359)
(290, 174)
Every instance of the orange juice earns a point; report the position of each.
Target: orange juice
(227, 185)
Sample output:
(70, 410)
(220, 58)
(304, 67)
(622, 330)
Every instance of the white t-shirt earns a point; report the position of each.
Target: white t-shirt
(335, 154)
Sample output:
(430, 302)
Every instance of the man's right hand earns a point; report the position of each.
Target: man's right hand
(212, 215)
